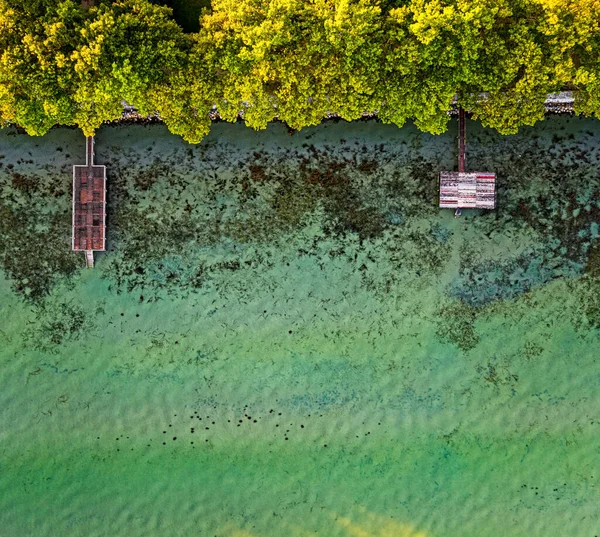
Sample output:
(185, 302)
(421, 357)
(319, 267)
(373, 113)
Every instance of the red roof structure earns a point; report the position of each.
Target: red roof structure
(89, 204)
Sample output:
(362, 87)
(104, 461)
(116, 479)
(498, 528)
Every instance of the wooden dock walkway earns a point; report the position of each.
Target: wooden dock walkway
(466, 190)
(89, 151)
(461, 140)
(89, 205)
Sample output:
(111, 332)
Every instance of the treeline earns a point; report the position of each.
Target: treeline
(74, 62)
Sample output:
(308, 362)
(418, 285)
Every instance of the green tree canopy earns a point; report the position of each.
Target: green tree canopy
(35, 89)
(74, 63)
(295, 59)
(129, 51)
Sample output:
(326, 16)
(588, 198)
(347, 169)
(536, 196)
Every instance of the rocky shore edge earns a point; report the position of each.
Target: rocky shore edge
(558, 103)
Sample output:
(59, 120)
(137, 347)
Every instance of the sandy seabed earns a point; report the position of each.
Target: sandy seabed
(286, 336)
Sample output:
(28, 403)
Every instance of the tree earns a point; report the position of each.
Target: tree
(572, 29)
(35, 89)
(130, 49)
(294, 59)
(186, 98)
(65, 64)
(439, 48)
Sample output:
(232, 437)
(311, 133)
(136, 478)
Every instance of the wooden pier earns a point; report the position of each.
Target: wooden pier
(89, 205)
(466, 190)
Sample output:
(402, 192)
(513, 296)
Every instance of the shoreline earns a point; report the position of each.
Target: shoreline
(556, 104)
(562, 103)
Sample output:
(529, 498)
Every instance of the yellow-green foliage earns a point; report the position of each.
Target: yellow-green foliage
(297, 60)
(131, 49)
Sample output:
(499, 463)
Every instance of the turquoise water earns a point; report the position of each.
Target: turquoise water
(288, 337)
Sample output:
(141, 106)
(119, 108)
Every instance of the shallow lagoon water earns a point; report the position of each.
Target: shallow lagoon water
(287, 337)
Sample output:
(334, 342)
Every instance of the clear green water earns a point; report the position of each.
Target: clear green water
(287, 337)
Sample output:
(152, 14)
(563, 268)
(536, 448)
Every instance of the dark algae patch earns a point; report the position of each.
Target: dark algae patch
(286, 336)
(55, 323)
(456, 324)
(35, 227)
(164, 215)
(505, 279)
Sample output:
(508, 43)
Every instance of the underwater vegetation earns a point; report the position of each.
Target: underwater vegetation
(171, 228)
(287, 336)
(35, 221)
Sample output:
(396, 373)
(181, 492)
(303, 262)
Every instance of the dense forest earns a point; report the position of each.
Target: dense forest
(74, 62)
